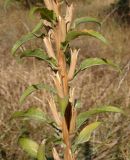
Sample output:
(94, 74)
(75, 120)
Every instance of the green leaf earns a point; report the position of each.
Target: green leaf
(75, 34)
(32, 35)
(78, 104)
(41, 151)
(40, 54)
(46, 14)
(82, 117)
(20, 42)
(29, 146)
(85, 134)
(63, 102)
(85, 20)
(37, 30)
(33, 88)
(90, 62)
(31, 113)
(32, 11)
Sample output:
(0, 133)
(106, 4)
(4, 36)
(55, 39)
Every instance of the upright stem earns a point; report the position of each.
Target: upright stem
(62, 70)
(61, 82)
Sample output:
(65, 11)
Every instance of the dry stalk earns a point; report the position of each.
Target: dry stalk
(62, 76)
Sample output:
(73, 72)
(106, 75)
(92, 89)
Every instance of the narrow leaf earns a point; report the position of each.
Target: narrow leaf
(29, 146)
(38, 28)
(41, 55)
(32, 11)
(32, 35)
(32, 113)
(82, 117)
(85, 20)
(90, 62)
(41, 152)
(38, 53)
(75, 34)
(20, 42)
(33, 88)
(85, 134)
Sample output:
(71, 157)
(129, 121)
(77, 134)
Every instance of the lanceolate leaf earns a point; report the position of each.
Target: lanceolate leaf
(32, 113)
(32, 35)
(37, 30)
(40, 54)
(20, 42)
(33, 10)
(41, 152)
(33, 88)
(85, 20)
(82, 117)
(90, 62)
(75, 34)
(46, 14)
(85, 134)
(29, 146)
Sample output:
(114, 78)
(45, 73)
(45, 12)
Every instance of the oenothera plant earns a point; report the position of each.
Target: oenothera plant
(59, 31)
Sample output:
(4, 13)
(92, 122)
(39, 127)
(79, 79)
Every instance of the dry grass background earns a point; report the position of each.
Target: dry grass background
(95, 87)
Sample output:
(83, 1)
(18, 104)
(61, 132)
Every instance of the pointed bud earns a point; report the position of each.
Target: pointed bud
(54, 111)
(74, 56)
(72, 97)
(69, 15)
(62, 26)
(49, 48)
(58, 84)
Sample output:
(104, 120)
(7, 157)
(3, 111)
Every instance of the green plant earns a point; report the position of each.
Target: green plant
(59, 31)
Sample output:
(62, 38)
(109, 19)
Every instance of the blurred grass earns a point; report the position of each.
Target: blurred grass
(95, 87)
